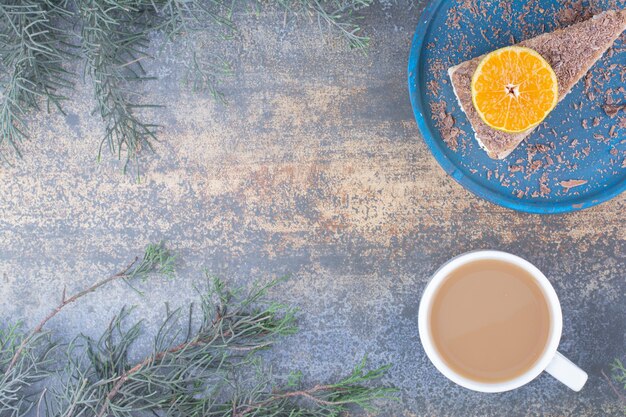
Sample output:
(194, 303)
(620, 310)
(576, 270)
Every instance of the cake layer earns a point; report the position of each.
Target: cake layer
(571, 52)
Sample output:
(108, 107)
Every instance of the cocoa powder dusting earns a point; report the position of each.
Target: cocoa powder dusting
(445, 122)
(542, 158)
(433, 87)
(573, 12)
(543, 185)
(572, 183)
(612, 109)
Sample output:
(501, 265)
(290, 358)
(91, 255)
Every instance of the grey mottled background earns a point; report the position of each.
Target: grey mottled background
(315, 168)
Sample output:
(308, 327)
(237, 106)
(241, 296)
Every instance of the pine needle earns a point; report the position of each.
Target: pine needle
(114, 43)
(38, 40)
(32, 365)
(338, 15)
(619, 376)
(210, 370)
(33, 49)
(203, 361)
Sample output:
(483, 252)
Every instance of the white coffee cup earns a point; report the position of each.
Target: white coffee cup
(550, 360)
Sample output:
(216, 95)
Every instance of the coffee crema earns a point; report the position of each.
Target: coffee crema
(490, 321)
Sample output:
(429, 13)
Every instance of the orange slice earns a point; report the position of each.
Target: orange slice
(514, 89)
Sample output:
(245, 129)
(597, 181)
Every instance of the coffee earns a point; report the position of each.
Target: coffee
(490, 321)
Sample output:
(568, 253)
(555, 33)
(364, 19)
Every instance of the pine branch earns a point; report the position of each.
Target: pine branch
(329, 399)
(203, 362)
(114, 42)
(339, 15)
(114, 37)
(227, 330)
(33, 49)
(177, 18)
(619, 376)
(30, 367)
(202, 369)
(204, 75)
(182, 17)
(156, 259)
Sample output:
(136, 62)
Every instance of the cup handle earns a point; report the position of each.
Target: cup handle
(567, 372)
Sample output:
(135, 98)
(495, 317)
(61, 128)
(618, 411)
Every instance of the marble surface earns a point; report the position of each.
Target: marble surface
(315, 169)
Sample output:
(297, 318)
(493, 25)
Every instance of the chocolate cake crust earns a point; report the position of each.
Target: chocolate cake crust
(571, 52)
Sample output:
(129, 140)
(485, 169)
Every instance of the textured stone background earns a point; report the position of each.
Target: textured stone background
(315, 168)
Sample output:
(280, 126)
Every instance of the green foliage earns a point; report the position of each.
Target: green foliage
(340, 15)
(16, 394)
(156, 259)
(203, 75)
(26, 358)
(203, 361)
(113, 44)
(32, 52)
(619, 376)
(38, 40)
(181, 17)
(619, 372)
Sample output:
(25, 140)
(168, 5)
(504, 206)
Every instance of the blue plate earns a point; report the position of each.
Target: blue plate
(577, 141)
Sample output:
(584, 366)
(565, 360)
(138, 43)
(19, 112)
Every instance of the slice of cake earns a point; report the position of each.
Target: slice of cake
(571, 52)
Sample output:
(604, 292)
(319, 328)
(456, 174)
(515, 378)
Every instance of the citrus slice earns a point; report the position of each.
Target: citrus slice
(514, 89)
